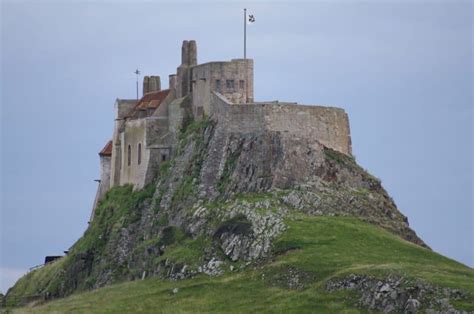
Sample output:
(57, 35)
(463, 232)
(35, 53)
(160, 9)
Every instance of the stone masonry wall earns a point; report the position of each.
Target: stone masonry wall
(204, 80)
(121, 107)
(179, 112)
(133, 136)
(104, 184)
(328, 125)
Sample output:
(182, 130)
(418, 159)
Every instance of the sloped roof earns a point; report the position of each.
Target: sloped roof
(150, 100)
(107, 150)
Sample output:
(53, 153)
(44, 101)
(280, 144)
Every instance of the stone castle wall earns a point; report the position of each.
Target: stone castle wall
(157, 135)
(121, 107)
(179, 113)
(133, 136)
(152, 135)
(214, 76)
(104, 184)
(328, 125)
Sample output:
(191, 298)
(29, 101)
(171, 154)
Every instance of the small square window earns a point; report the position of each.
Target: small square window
(242, 84)
(230, 84)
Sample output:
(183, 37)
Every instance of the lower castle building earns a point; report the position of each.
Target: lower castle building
(146, 131)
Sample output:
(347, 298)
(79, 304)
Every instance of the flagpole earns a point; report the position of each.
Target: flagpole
(137, 72)
(245, 33)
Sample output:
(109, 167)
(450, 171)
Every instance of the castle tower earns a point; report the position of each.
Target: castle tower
(188, 59)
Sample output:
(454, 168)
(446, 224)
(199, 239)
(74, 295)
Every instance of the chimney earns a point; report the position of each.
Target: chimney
(172, 81)
(154, 85)
(151, 84)
(188, 59)
(185, 53)
(146, 81)
(192, 52)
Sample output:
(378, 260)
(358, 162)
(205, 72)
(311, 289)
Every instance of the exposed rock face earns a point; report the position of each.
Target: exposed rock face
(225, 195)
(321, 181)
(247, 228)
(397, 294)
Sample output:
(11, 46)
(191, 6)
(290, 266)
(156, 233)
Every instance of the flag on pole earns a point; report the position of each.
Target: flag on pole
(251, 19)
(248, 19)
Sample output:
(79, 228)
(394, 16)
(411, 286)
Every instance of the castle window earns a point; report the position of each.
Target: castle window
(163, 157)
(241, 84)
(129, 155)
(218, 86)
(230, 85)
(139, 153)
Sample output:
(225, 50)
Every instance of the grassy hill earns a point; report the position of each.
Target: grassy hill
(312, 252)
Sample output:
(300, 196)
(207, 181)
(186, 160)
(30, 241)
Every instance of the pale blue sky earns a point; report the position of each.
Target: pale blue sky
(401, 69)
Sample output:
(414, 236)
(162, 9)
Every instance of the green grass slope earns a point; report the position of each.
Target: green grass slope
(318, 248)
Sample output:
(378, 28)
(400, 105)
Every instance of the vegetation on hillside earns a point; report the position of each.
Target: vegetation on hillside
(320, 248)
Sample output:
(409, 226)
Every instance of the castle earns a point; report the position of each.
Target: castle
(146, 131)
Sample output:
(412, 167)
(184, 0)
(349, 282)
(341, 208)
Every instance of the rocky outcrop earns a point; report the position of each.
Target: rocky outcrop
(320, 180)
(246, 230)
(398, 294)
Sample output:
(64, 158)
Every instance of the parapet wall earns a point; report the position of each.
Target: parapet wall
(328, 125)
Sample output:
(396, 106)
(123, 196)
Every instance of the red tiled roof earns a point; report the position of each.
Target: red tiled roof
(149, 101)
(107, 150)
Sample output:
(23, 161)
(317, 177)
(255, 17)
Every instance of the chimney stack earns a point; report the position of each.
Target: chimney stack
(192, 52)
(172, 81)
(189, 52)
(146, 80)
(154, 84)
(151, 84)
(185, 52)
(188, 60)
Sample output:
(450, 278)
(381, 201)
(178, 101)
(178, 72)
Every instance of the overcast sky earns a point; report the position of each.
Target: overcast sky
(402, 70)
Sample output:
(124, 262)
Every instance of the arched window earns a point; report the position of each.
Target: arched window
(139, 153)
(129, 155)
